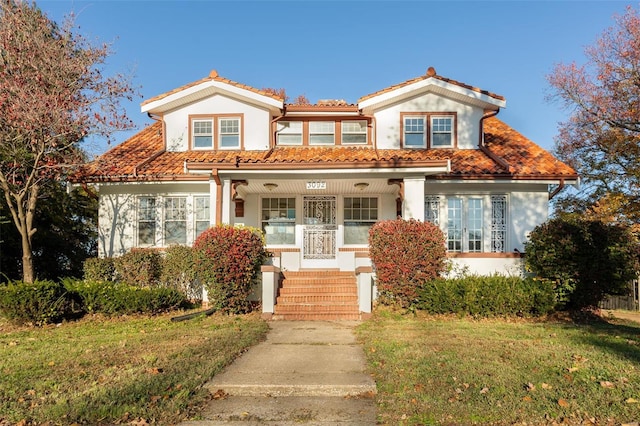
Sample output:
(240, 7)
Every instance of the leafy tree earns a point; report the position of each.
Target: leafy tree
(584, 259)
(67, 231)
(601, 138)
(53, 93)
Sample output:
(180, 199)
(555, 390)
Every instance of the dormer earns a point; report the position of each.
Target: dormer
(215, 113)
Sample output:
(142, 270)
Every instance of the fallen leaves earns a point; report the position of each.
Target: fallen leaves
(607, 384)
(563, 403)
(220, 394)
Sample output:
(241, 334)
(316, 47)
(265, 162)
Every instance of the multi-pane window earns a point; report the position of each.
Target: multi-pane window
(432, 209)
(202, 214)
(470, 226)
(414, 132)
(498, 223)
(441, 131)
(289, 132)
(474, 224)
(146, 221)
(202, 134)
(278, 216)
(360, 213)
(321, 133)
(229, 132)
(175, 220)
(354, 132)
(454, 224)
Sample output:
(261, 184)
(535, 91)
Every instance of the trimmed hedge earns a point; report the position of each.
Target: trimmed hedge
(179, 272)
(38, 303)
(118, 298)
(99, 269)
(486, 296)
(406, 254)
(139, 267)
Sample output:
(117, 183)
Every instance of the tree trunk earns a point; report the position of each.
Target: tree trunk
(27, 259)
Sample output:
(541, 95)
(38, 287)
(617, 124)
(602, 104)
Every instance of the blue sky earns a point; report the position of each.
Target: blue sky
(348, 49)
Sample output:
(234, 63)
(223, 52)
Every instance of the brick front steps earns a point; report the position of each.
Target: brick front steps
(318, 296)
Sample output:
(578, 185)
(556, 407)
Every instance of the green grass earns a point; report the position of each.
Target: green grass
(448, 370)
(106, 371)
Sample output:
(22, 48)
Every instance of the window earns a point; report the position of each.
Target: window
(175, 220)
(278, 218)
(414, 132)
(229, 133)
(360, 213)
(474, 224)
(432, 209)
(498, 223)
(289, 133)
(146, 221)
(321, 133)
(454, 224)
(470, 227)
(202, 214)
(202, 134)
(441, 131)
(354, 132)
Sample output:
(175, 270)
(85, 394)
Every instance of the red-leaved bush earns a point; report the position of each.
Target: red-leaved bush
(228, 262)
(405, 254)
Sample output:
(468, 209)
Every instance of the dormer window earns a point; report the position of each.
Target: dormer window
(354, 132)
(428, 130)
(289, 133)
(322, 132)
(229, 133)
(203, 134)
(216, 132)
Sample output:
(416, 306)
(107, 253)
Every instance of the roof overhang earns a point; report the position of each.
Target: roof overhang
(207, 89)
(436, 86)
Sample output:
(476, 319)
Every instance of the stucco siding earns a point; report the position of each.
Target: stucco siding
(255, 131)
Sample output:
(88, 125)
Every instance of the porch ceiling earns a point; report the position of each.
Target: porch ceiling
(333, 187)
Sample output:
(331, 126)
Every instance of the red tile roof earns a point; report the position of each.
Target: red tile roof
(431, 73)
(508, 155)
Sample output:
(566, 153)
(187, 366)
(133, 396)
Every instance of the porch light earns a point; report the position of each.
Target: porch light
(270, 186)
(361, 185)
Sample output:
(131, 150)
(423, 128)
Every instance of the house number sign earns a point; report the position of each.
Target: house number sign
(317, 184)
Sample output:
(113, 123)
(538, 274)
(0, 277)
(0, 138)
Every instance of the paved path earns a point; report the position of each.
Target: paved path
(309, 373)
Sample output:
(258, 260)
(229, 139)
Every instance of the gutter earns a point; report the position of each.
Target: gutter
(496, 158)
(557, 190)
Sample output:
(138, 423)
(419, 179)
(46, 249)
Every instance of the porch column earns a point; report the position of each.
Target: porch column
(226, 201)
(413, 206)
(213, 200)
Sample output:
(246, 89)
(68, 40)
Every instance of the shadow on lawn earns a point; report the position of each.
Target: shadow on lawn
(621, 337)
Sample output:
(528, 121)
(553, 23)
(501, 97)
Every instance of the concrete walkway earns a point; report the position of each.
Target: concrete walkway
(309, 373)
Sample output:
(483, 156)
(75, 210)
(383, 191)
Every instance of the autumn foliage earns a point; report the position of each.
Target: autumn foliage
(228, 262)
(406, 254)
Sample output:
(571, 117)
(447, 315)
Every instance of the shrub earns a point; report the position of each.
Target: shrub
(486, 296)
(139, 267)
(99, 269)
(39, 303)
(584, 260)
(112, 298)
(406, 254)
(228, 262)
(179, 272)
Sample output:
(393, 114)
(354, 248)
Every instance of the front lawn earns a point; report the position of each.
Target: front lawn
(448, 370)
(113, 371)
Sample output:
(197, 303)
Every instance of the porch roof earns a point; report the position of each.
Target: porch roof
(506, 155)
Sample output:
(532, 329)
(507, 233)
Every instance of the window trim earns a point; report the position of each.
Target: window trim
(279, 132)
(428, 128)
(337, 130)
(372, 221)
(216, 137)
(433, 132)
(166, 220)
(286, 222)
(365, 132)
(139, 219)
(322, 133)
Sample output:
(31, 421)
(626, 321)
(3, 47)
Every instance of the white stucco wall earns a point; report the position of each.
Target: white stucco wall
(256, 121)
(468, 119)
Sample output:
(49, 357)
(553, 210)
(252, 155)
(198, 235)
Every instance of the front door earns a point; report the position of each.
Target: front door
(319, 233)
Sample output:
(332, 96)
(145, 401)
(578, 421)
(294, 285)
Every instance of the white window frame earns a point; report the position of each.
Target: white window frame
(291, 131)
(354, 129)
(147, 215)
(201, 214)
(322, 129)
(406, 131)
(237, 133)
(275, 215)
(361, 211)
(194, 134)
(432, 209)
(474, 224)
(436, 129)
(174, 211)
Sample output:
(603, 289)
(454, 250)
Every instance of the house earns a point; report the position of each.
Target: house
(315, 177)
